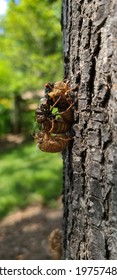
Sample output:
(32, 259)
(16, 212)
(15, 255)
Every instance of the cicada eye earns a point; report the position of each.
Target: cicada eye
(48, 88)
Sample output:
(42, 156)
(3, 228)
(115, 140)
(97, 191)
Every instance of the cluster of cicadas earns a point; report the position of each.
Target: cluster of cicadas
(54, 116)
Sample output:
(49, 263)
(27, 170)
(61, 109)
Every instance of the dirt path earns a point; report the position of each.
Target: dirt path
(24, 234)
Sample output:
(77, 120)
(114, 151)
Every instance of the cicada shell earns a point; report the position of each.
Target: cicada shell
(52, 143)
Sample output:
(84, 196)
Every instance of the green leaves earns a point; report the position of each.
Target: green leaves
(30, 45)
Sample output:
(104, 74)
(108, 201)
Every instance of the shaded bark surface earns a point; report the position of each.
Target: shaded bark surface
(90, 165)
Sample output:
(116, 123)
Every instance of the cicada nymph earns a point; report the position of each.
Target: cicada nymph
(55, 115)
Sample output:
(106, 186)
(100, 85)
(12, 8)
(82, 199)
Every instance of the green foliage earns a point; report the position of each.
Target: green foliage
(31, 44)
(30, 55)
(5, 121)
(30, 50)
(5, 77)
(27, 175)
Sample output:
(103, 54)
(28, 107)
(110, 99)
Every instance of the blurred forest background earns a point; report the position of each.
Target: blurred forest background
(30, 56)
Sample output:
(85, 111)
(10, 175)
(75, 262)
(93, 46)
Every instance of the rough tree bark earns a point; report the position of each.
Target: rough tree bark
(90, 165)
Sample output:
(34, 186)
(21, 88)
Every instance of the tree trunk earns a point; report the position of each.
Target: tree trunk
(16, 115)
(90, 176)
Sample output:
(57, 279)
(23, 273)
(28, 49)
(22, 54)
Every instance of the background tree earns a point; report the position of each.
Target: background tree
(90, 166)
